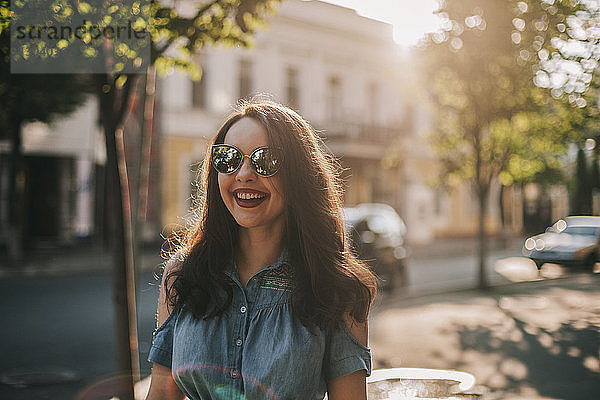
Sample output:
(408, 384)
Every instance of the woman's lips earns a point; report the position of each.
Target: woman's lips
(249, 198)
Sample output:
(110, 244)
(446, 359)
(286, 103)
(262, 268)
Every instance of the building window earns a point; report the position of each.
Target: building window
(373, 98)
(292, 88)
(245, 79)
(334, 98)
(199, 95)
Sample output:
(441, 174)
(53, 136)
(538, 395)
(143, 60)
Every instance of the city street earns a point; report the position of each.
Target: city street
(63, 324)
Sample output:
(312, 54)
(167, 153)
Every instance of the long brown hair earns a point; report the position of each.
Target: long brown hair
(330, 281)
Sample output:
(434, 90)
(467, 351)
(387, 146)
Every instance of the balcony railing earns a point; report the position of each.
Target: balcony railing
(360, 132)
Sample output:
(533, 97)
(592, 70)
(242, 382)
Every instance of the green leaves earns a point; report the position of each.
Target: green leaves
(227, 22)
(155, 29)
(491, 120)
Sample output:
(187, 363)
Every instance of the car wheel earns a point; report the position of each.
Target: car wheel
(396, 279)
(590, 261)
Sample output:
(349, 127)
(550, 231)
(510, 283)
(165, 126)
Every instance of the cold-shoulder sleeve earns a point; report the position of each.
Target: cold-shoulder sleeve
(344, 355)
(161, 351)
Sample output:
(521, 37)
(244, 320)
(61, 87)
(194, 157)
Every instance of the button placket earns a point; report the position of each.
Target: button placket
(238, 342)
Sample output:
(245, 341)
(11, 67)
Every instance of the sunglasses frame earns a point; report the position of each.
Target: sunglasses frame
(212, 160)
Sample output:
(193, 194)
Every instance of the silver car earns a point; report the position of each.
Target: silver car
(572, 241)
(377, 235)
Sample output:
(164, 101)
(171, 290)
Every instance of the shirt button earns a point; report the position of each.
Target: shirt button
(238, 342)
(243, 309)
(235, 374)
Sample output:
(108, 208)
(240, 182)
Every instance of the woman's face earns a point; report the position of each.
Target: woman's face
(253, 200)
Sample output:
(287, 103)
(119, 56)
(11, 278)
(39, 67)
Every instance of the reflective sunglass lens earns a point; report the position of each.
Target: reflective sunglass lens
(226, 159)
(264, 162)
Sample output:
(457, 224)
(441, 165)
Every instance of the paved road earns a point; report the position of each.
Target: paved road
(434, 274)
(65, 323)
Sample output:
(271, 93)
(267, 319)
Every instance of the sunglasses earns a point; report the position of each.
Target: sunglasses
(227, 159)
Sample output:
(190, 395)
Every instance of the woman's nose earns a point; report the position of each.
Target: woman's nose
(246, 172)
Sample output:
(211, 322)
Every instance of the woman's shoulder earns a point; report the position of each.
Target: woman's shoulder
(170, 270)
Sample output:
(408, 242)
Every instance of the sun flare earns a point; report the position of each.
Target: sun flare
(411, 19)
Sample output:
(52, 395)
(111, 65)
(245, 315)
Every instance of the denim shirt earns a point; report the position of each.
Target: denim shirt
(256, 349)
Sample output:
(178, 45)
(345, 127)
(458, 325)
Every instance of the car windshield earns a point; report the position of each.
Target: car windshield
(386, 223)
(582, 230)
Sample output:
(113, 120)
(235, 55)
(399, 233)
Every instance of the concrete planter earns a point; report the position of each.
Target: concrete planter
(419, 383)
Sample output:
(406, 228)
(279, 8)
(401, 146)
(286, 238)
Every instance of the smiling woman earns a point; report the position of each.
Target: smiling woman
(265, 300)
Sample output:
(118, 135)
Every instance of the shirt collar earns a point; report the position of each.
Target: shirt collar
(231, 270)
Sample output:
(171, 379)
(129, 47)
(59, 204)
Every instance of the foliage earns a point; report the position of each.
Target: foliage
(561, 38)
(33, 97)
(491, 120)
(494, 117)
(153, 33)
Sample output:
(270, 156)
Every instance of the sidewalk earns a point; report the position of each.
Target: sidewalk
(449, 247)
(529, 340)
(75, 259)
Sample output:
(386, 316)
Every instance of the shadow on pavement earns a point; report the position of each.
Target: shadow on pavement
(529, 340)
(555, 364)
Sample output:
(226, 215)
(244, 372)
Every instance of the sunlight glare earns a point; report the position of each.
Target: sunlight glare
(411, 19)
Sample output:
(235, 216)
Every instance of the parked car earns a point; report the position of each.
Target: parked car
(572, 241)
(377, 235)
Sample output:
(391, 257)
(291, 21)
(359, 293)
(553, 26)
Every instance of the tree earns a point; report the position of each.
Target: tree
(491, 121)
(174, 37)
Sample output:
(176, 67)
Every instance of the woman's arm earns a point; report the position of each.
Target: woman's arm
(162, 385)
(348, 387)
(352, 386)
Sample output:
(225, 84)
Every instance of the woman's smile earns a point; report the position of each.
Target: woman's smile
(249, 198)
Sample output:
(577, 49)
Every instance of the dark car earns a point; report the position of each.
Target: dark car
(573, 241)
(377, 235)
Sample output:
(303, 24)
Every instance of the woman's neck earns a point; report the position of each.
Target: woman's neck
(257, 248)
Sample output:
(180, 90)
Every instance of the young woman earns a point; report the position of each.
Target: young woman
(265, 301)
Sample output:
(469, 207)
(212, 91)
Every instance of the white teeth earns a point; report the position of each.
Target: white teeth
(249, 196)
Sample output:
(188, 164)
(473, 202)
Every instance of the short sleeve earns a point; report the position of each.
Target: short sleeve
(345, 355)
(161, 351)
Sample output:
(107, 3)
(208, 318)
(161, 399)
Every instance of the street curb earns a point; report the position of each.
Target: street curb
(396, 299)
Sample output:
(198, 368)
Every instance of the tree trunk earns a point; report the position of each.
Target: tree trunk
(145, 152)
(481, 186)
(118, 210)
(482, 240)
(503, 228)
(16, 190)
